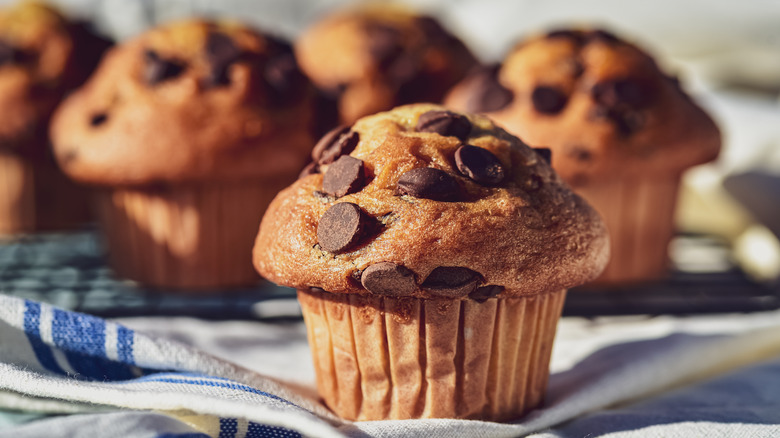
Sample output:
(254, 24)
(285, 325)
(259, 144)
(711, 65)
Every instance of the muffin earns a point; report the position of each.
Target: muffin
(373, 58)
(621, 133)
(187, 131)
(42, 57)
(431, 255)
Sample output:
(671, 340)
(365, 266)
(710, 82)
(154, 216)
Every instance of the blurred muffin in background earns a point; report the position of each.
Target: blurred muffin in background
(372, 58)
(42, 57)
(621, 132)
(188, 130)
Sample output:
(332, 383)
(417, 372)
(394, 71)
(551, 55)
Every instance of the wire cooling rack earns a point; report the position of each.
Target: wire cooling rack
(69, 270)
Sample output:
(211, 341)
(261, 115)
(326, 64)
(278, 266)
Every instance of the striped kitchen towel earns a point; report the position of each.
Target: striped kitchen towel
(115, 382)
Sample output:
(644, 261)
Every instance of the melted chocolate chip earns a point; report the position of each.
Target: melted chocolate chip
(451, 281)
(580, 153)
(98, 119)
(545, 153)
(310, 169)
(339, 141)
(618, 92)
(548, 100)
(429, 183)
(10, 54)
(386, 278)
(479, 165)
(626, 121)
(221, 51)
(481, 294)
(433, 31)
(284, 78)
(344, 176)
(384, 42)
(158, 69)
(445, 123)
(487, 94)
(341, 227)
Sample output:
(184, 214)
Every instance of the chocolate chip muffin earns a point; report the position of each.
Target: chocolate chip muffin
(431, 251)
(42, 57)
(372, 58)
(621, 133)
(189, 130)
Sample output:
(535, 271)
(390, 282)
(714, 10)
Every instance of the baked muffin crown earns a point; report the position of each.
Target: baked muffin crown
(190, 101)
(600, 103)
(42, 56)
(423, 202)
(372, 58)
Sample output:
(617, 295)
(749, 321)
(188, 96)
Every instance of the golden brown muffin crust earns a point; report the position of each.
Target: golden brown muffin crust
(512, 224)
(190, 101)
(601, 104)
(375, 57)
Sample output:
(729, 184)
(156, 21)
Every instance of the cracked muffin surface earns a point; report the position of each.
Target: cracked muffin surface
(189, 101)
(600, 103)
(423, 202)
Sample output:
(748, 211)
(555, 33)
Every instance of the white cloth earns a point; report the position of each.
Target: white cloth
(123, 382)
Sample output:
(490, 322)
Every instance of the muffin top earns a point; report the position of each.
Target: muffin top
(190, 101)
(372, 58)
(601, 104)
(42, 56)
(423, 202)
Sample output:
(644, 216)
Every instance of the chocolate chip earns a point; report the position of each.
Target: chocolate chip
(545, 153)
(548, 100)
(580, 153)
(344, 176)
(310, 169)
(429, 183)
(387, 278)
(339, 141)
(445, 123)
(481, 294)
(626, 121)
(487, 94)
(628, 92)
(479, 164)
(451, 281)
(341, 226)
(384, 42)
(285, 80)
(433, 31)
(98, 119)
(9, 54)
(158, 69)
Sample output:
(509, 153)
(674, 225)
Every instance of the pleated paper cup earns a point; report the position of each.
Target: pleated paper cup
(197, 238)
(639, 214)
(381, 358)
(36, 196)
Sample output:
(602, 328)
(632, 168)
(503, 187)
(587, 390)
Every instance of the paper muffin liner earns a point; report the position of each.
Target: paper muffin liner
(191, 237)
(36, 196)
(380, 358)
(639, 214)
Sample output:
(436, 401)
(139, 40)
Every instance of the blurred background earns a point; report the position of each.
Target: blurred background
(726, 53)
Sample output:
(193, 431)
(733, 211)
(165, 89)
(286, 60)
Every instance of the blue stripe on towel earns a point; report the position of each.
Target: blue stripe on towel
(210, 381)
(83, 339)
(32, 322)
(124, 345)
(183, 435)
(256, 430)
(228, 427)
